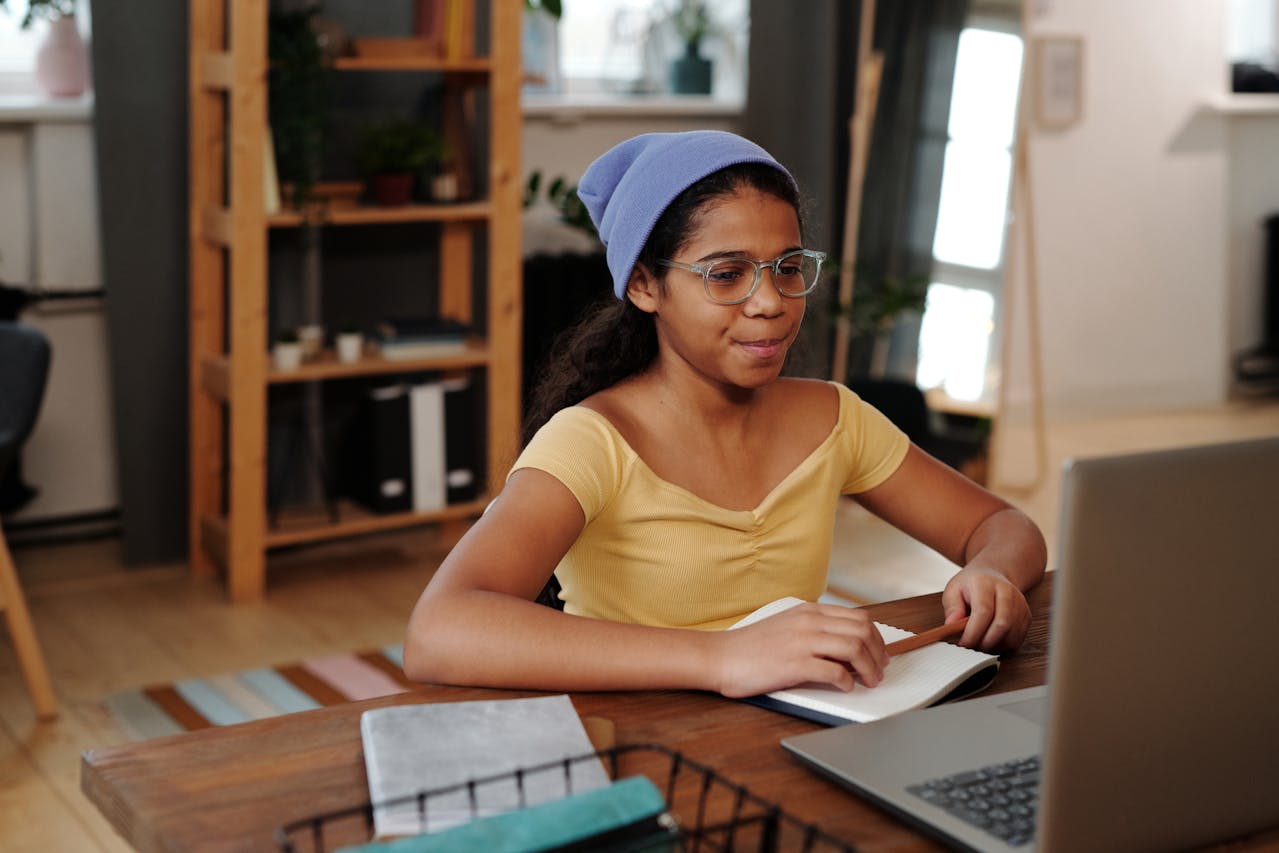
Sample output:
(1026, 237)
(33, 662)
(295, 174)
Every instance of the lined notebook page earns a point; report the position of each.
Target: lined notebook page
(912, 680)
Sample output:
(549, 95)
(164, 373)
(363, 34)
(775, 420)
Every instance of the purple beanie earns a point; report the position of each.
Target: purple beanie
(628, 187)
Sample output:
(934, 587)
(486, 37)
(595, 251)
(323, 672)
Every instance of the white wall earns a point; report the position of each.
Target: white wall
(1131, 210)
(49, 239)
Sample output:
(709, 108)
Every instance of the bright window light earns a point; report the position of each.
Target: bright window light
(954, 340)
(973, 206)
(983, 103)
(17, 46)
(603, 41)
(968, 245)
(625, 46)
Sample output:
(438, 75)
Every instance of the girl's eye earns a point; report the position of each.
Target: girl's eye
(724, 273)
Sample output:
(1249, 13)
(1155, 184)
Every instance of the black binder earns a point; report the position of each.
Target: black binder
(464, 445)
(379, 454)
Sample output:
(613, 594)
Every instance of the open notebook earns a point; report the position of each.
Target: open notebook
(926, 676)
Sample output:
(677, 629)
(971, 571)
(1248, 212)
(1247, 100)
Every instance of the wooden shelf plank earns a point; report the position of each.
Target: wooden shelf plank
(299, 526)
(474, 65)
(367, 215)
(328, 367)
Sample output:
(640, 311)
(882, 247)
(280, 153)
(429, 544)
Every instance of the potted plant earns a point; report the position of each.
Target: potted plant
(62, 61)
(690, 74)
(298, 102)
(392, 153)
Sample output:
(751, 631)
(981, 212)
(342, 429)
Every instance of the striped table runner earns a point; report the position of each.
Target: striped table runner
(197, 703)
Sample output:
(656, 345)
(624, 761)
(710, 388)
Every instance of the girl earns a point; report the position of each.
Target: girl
(674, 482)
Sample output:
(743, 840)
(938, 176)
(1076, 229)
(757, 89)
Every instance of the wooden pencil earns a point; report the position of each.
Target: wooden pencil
(941, 632)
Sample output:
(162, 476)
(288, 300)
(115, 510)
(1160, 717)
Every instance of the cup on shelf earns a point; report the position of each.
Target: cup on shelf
(444, 187)
(287, 354)
(350, 347)
(312, 339)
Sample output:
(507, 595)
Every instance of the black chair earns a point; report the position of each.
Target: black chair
(24, 368)
(903, 403)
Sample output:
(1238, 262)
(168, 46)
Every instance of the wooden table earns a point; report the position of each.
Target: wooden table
(231, 787)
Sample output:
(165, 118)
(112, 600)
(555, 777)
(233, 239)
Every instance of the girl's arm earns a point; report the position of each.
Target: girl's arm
(477, 624)
(1001, 551)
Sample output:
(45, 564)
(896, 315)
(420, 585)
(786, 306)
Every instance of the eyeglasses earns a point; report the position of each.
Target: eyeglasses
(731, 281)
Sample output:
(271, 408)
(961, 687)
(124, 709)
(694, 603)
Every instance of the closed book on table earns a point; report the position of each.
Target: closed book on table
(426, 419)
(464, 443)
(379, 454)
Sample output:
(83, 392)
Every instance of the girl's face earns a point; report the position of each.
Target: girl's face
(741, 345)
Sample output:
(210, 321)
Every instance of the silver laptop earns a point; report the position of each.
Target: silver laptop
(1159, 727)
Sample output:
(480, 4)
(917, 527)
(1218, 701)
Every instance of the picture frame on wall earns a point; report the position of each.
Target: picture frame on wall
(1058, 81)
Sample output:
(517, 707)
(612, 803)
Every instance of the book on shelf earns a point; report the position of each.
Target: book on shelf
(416, 446)
(270, 177)
(410, 749)
(377, 457)
(427, 446)
(403, 338)
(428, 19)
(926, 676)
(459, 29)
(463, 440)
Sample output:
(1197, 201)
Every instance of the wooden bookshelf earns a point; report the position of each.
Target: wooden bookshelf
(230, 527)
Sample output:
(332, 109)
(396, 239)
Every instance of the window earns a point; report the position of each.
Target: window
(958, 330)
(625, 46)
(18, 46)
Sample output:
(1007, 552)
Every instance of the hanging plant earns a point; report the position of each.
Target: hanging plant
(298, 99)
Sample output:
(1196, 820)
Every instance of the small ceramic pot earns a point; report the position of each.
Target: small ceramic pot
(287, 355)
(393, 190)
(444, 187)
(350, 347)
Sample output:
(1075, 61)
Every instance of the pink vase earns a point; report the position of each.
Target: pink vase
(62, 61)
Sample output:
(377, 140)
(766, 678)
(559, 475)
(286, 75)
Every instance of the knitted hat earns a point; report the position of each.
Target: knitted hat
(628, 187)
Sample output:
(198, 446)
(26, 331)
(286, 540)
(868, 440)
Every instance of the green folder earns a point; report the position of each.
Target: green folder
(626, 815)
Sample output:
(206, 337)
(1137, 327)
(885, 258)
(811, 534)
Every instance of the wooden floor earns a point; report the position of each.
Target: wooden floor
(106, 629)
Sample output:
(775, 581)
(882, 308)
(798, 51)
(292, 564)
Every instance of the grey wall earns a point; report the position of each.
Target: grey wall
(140, 77)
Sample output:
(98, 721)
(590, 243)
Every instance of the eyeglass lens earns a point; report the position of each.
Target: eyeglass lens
(733, 279)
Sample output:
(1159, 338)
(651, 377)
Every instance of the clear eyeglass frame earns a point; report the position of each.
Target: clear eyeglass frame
(707, 269)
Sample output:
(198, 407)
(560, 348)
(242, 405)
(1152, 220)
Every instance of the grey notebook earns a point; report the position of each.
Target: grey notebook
(1157, 728)
(414, 748)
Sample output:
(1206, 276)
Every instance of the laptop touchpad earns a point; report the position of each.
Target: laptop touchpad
(1035, 710)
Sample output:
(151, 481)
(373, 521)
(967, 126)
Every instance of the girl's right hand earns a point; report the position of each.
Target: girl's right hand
(807, 643)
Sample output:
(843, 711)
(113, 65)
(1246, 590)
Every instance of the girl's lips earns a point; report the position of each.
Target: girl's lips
(764, 349)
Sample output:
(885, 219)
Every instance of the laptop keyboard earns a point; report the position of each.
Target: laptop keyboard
(1000, 799)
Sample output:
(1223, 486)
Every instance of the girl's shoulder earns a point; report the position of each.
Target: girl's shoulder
(808, 399)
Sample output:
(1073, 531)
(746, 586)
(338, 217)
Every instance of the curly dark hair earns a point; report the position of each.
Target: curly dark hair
(616, 340)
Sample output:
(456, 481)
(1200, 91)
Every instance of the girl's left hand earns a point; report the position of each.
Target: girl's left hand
(998, 615)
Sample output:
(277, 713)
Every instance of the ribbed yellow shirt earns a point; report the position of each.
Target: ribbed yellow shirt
(654, 553)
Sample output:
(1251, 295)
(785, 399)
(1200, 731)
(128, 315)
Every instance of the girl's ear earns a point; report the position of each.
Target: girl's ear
(642, 289)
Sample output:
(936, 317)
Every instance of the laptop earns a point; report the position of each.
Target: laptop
(1159, 725)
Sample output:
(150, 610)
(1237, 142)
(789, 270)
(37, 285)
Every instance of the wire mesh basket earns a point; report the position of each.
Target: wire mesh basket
(704, 810)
